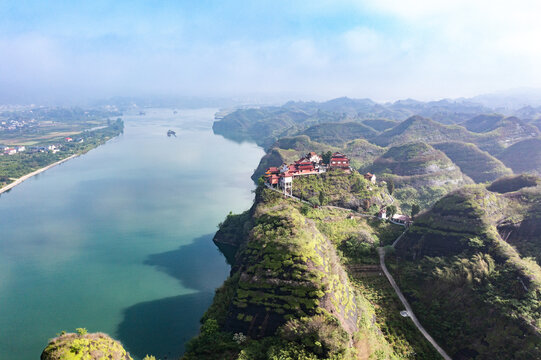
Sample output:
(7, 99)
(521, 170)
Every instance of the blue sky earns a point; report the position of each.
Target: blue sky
(318, 49)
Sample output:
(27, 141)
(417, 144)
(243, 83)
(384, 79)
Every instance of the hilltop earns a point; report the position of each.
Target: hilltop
(84, 347)
(476, 294)
(475, 163)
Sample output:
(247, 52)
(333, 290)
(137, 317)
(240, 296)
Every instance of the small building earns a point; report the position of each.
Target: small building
(339, 161)
(402, 219)
(370, 177)
(382, 214)
(10, 151)
(313, 157)
(286, 183)
(68, 139)
(272, 175)
(304, 166)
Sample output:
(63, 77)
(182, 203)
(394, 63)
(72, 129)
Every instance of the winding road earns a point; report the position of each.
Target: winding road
(381, 252)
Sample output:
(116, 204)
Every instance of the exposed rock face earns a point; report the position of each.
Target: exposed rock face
(89, 347)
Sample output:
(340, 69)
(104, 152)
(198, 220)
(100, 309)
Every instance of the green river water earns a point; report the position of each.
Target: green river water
(119, 240)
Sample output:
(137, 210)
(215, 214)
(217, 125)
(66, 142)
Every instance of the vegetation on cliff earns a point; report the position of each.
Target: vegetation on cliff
(83, 346)
(347, 190)
(456, 258)
(288, 295)
(420, 173)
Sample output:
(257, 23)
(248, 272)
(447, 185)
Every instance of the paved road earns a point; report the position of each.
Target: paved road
(381, 252)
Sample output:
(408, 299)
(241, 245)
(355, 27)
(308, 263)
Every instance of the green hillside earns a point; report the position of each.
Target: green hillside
(484, 123)
(477, 164)
(513, 183)
(478, 296)
(266, 125)
(417, 128)
(380, 124)
(350, 191)
(288, 297)
(83, 346)
(361, 152)
(339, 133)
(420, 173)
(524, 156)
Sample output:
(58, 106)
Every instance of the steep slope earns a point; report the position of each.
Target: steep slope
(416, 128)
(475, 293)
(420, 173)
(339, 133)
(524, 156)
(477, 164)
(288, 293)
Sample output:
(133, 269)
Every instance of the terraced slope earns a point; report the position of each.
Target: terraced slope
(484, 123)
(420, 173)
(475, 163)
(339, 133)
(418, 128)
(289, 294)
(524, 156)
(478, 296)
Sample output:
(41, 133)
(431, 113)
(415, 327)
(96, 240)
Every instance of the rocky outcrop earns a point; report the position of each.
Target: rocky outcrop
(95, 346)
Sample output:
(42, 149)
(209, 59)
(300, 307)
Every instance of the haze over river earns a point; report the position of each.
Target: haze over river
(119, 240)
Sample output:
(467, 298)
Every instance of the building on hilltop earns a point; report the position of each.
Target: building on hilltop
(314, 158)
(282, 176)
(370, 177)
(339, 161)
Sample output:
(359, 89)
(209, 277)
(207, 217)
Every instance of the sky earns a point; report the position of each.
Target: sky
(317, 49)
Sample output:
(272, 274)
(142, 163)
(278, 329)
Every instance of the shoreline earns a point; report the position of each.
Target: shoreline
(34, 173)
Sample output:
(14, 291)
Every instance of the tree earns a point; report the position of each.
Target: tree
(390, 186)
(414, 210)
(326, 157)
(391, 210)
(322, 198)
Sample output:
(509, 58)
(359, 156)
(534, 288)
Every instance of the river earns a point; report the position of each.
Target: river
(119, 240)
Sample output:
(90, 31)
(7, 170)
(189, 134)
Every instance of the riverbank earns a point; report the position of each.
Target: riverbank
(34, 173)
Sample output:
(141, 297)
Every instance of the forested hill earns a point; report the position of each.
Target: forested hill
(478, 295)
